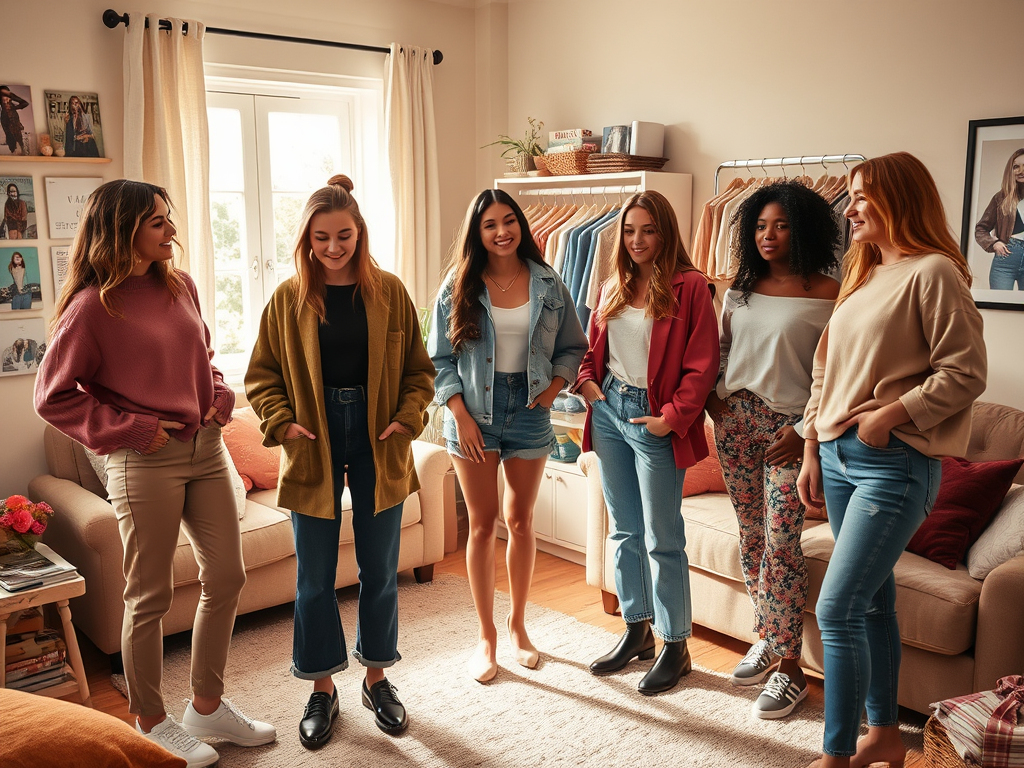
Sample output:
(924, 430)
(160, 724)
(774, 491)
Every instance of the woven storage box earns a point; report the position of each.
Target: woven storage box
(938, 752)
(568, 163)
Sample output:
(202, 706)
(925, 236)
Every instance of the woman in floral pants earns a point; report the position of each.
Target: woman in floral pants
(772, 318)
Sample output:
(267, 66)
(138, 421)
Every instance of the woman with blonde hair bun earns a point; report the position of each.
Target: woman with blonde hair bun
(341, 380)
(895, 374)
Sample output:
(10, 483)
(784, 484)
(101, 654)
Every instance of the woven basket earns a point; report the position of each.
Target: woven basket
(568, 163)
(938, 752)
(520, 163)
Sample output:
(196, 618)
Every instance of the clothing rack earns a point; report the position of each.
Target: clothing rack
(112, 19)
(778, 162)
(568, 191)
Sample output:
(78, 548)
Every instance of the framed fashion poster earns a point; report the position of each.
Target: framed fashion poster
(65, 198)
(74, 121)
(18, 220)
(992, 230)
(22, 345)
(20, 286)
(16, 120)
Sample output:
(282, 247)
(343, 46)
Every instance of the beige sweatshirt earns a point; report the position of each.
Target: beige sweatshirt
(910, 333)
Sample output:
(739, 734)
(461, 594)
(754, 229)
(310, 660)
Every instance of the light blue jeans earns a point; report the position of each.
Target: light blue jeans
(643, 491)
(1009, 269)
(877, 498)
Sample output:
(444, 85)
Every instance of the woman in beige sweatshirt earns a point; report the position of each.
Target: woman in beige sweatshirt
(895, 374)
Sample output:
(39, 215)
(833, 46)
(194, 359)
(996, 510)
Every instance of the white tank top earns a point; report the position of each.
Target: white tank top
(511, 338)
(629, 346)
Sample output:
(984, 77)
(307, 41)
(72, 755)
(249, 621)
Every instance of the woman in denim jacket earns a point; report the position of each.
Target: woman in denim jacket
(505, 339)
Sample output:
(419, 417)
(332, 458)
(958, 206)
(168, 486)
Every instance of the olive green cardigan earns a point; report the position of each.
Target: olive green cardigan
(284, 385)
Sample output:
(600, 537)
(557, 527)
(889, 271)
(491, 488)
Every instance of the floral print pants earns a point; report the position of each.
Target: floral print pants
(771, 519)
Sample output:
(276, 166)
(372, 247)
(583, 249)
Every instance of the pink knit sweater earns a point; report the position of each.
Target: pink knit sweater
(105, 381)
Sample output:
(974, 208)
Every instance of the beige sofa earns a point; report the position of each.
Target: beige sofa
(959, 635)
(84, 531)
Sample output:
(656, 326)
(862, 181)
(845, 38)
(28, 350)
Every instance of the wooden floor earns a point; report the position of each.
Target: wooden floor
(558, 585)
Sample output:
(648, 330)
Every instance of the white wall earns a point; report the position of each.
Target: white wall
(79, 53)
(748, 78)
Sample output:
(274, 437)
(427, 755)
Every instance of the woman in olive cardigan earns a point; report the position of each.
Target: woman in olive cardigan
(341, 380)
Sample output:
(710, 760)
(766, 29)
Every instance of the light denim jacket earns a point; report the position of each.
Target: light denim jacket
(557, 345)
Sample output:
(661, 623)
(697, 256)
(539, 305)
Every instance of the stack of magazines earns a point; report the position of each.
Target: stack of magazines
(22, 569)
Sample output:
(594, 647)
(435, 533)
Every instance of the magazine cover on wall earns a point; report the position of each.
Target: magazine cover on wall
(59, 255)
(20, 286)
(22, 345)
(17, 121)
(65, 198)
(992, 231)
(19, 211)
(74, 121)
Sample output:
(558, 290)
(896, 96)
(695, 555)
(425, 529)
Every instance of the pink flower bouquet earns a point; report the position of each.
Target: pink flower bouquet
(23, 521)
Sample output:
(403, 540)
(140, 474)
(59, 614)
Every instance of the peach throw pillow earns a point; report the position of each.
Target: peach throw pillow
(257, 464)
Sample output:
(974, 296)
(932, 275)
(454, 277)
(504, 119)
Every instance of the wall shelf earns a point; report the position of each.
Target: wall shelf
(42, 159)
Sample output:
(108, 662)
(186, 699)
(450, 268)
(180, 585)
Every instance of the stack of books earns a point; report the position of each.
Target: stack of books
(22, 569)
(35, 656)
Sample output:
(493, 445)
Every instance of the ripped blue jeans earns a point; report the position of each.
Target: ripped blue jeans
(877, 498)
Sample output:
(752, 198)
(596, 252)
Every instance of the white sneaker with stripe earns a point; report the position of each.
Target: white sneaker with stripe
(779, 697)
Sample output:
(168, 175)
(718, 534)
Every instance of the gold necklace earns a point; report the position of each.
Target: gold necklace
(505, 290)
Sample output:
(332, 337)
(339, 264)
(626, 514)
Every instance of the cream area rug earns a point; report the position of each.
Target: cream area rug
(555, 715)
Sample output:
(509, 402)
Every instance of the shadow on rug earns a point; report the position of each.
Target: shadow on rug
(555, 715)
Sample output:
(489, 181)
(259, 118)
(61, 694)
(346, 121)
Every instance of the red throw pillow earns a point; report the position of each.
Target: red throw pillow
(969, 495)
(706, 475)
(257, 464)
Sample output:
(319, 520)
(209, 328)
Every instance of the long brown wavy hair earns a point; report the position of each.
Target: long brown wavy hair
(102, 254)
(903, 194)
(336, 196)
(1012, 191)
(672, 258)
(467, 261)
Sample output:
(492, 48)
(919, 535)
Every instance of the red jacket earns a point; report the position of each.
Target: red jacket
(681, 369)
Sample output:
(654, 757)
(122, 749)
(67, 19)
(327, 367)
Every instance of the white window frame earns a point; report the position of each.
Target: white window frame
(254, 92)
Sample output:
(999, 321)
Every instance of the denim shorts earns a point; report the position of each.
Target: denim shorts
(515, 431)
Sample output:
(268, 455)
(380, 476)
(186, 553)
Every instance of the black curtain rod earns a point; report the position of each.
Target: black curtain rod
(112, 19)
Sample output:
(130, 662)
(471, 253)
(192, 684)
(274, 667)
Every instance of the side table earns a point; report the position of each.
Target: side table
(59, 594)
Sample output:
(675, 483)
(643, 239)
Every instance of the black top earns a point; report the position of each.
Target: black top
(344, 338)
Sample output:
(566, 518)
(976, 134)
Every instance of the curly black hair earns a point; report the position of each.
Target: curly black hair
(814, 234)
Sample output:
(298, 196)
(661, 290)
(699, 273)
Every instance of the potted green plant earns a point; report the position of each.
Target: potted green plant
(520, 153)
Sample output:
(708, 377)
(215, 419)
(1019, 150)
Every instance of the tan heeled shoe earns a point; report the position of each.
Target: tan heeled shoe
(526, 657)
(481, 668)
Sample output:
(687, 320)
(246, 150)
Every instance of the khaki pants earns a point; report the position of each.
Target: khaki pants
(181, 485)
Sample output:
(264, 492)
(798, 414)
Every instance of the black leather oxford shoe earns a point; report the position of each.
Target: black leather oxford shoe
(390, 714)
(318, 719)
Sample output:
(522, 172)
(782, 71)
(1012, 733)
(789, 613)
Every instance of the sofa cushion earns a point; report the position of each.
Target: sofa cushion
(257, 464)
(937, 608)
(706, 475)
(713, 534)
(266, 538)
(969, 495)
(410, 511)
(1003, 539)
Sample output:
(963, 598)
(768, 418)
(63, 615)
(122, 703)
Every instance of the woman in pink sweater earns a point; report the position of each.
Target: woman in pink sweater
(128, 375)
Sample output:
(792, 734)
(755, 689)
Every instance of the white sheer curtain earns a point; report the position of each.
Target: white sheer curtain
(412, 151)
(166, 135)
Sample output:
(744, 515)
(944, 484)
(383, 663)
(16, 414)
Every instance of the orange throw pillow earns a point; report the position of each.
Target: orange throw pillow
(706, 475)
(257, 464)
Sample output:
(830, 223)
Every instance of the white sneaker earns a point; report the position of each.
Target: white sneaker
(179, 742)
(228, 723)
(779, 697)
(755, 665)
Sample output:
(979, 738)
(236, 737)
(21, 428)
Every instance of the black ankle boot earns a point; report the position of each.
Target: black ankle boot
(673, 662)
(636, 642)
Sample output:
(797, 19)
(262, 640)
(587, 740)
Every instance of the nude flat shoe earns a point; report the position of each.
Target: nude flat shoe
(480, 667)
(526, 657)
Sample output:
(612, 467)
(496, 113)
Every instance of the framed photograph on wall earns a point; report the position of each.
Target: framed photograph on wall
(22, 345)
(992, 230)
(16, 118)
(74, 121)
(19, 209)
(20, 285)
(65, 198)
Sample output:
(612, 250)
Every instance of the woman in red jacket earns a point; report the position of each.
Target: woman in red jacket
(652, 361)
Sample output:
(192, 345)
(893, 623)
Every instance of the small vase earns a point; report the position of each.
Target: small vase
(521, 163)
